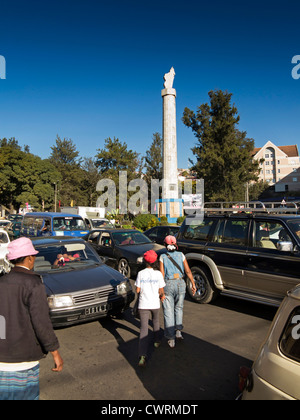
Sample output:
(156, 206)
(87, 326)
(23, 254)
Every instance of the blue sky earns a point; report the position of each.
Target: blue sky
(89, 70)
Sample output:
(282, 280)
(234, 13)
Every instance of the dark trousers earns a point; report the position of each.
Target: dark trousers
(144, 317)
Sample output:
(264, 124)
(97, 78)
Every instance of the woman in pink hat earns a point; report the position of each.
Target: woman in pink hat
(150, 289)
(174, 266)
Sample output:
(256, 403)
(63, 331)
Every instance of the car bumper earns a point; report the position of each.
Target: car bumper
(65, 317)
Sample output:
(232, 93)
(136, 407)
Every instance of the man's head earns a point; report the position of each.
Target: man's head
(22, 252)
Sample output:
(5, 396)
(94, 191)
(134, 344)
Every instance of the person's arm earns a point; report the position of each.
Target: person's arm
(58, 361)
(162, 294)
(42, 325)
(190, 275)
(161, 268)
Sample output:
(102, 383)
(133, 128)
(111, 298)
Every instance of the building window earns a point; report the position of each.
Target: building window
(295, 179)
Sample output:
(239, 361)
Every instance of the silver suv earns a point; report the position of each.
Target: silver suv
(275, 374)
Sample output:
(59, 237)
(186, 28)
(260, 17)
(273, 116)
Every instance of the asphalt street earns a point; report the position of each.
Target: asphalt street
(101, 357)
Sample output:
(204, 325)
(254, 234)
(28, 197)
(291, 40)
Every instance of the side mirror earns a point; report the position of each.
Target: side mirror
(285, 246)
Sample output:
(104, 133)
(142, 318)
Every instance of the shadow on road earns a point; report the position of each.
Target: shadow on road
(193, 370)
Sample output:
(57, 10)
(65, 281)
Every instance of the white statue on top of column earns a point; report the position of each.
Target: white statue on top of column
(169, 79)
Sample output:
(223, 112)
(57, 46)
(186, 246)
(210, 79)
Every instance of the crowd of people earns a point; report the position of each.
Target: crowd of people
(24, 307)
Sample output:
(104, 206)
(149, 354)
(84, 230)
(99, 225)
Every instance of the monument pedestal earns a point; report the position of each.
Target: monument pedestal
(172, 208)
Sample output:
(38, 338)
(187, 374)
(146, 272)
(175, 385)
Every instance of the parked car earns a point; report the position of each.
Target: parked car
(4, 223)
(158, 233)
(123, 248)
(79, 286)
(275, 374)
(253, 256)
(4, 241)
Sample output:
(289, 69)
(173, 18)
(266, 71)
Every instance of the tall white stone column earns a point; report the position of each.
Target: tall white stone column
(170, 165)
(169, 205)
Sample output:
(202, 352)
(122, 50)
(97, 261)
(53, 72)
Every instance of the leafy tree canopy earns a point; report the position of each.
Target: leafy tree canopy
(223, 153)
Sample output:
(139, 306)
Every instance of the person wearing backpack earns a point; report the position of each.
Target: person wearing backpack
(174, 267)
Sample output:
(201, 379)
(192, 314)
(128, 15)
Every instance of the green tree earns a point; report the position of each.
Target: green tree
(223, 152)
(114, 158)
(65, 158)
(154, 159)
(25, 178)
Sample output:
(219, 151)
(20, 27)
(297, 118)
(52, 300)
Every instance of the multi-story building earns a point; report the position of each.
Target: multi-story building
(280, 166)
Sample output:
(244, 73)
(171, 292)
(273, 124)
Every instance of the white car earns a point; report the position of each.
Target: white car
(4, 241)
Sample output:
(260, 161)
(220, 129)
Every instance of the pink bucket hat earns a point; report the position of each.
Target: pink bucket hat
(20, 248)
(170, 240)
(171, 243)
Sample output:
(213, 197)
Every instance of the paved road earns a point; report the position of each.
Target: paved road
(101, 357)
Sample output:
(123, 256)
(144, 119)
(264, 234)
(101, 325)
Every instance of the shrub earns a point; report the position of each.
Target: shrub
(145, 221)
(164, 221)
(180, 220)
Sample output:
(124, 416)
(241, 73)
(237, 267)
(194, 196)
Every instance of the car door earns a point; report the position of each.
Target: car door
(228, 249)
(270, 271)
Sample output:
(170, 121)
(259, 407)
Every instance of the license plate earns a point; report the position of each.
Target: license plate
(97, 309)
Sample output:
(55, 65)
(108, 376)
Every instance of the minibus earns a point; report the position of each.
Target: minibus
(53, 224)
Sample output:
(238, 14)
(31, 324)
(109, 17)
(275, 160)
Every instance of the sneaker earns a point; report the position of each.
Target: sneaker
(179, 335)
(157, 344)
(171, 343)
(142, 361)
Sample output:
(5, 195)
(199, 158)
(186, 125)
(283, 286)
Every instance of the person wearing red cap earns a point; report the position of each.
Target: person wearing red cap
(29, 331)
(174, 266)
(150, 289)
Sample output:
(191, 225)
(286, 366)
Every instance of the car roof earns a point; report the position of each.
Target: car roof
(53, 240)
(115, 230)
(51, 214)
(246, 215)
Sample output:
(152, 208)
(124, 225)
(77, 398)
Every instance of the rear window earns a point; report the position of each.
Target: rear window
(290, 340)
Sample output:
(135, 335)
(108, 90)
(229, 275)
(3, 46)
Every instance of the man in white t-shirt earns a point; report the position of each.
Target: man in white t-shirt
(150, 289)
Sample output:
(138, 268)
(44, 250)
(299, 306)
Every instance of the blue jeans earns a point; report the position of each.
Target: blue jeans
(173, 307)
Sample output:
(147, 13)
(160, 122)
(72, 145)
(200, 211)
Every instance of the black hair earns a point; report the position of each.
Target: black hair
(18, 260)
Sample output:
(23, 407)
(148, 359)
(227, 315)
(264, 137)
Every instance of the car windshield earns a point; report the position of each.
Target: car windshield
(295, 226)
(68, 223)
(130, 238)
(67, 256)
(97, 223)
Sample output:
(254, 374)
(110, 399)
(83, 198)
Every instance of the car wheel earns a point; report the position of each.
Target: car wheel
(124, 267)
(206, 291)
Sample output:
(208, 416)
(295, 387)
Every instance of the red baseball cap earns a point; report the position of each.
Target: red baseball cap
(150, 256)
